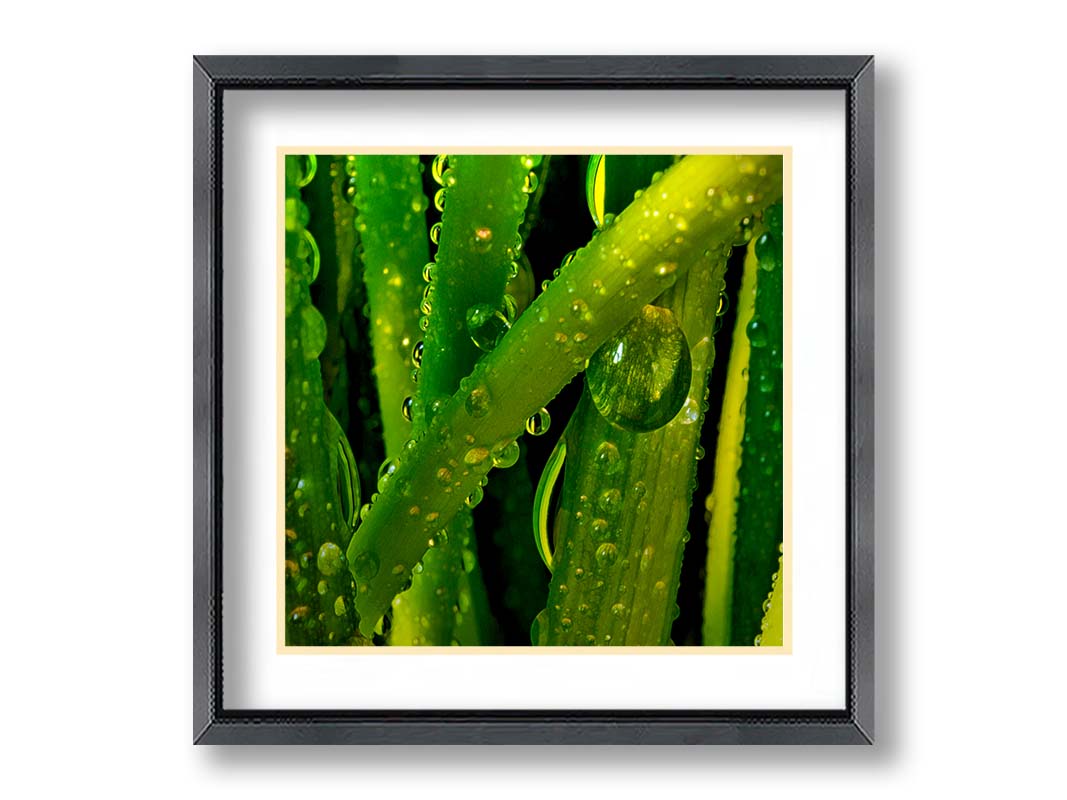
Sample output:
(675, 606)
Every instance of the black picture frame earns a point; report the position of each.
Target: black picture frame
(213, 76)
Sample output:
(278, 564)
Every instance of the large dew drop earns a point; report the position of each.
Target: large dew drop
(486, 326)
(639, 378)
(329, 559)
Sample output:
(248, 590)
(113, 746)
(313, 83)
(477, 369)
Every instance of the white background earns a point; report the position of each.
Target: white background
(255, 676)
(96, 332)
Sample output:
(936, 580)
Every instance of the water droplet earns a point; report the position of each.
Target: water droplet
(438, 167)
(529, 186)
(580, 310)
(398, 569)
(538, 423)
(478, 402)
(640, 377)
(609, 501)
(486, 326)
(339, 606)
(416, 353)
(305, 168)
(435, 233)
(475, 497)
(482, 241)
(606, 554)
(386, 471)
(768, 252)
(506, 455)
(405, 407)
(429, 270)
(439, 200)
(618, 610)
(607, 458)
(665, 269)
(757, 332)
(475, 456)
(365, 565)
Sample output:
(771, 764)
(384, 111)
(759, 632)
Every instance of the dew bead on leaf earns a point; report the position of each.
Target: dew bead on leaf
(466, 423)
(639, 378)
(538, 424)
(478, 402)
(330, 559)
(365, 565)
(486, 326)
(757, 333)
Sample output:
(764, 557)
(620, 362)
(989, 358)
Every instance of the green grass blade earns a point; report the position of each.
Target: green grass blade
(319, 493)
(483, 202)
(391, 221)
(621, 527)
(722, 501)
(759, 506)
(332, 226)
(697, 205)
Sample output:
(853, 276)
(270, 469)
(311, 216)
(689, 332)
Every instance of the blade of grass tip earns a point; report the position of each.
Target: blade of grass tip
(321, 490)
(721, 502)
(759, 507)
(700, 199)
(482, 201)
(620, 530)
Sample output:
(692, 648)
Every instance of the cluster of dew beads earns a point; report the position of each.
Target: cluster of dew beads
(302, 252)
(350, 186)
(639, 379)
(531, 182)
(768, 604)
(443, 177)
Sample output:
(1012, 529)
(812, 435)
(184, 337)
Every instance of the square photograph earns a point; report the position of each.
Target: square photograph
(533, 400)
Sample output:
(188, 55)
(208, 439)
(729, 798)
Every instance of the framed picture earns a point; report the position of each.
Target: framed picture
(534, 400)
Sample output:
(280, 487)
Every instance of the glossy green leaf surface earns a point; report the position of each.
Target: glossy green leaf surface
(321, 490)
(697, 206)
